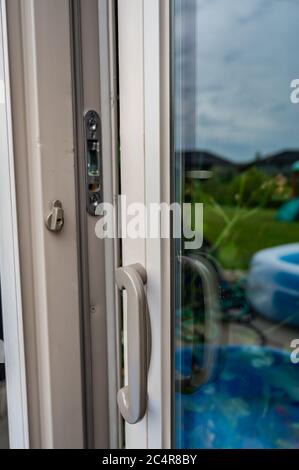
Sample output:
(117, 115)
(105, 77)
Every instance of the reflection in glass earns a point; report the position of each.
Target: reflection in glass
(232, 65)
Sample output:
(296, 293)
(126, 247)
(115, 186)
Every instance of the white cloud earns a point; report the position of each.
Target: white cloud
(237, 99)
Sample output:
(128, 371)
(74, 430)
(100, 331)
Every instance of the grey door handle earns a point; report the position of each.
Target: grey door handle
(132, 399)
(209, 280)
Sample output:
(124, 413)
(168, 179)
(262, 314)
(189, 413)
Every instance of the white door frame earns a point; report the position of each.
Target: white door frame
(10, 263)
(90, 67)
(109, 113)
(42, 117)
(144, 56)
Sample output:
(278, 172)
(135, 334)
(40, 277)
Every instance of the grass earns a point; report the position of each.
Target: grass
(236, 236)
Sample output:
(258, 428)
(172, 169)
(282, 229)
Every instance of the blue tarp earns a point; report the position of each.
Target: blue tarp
(289, 212)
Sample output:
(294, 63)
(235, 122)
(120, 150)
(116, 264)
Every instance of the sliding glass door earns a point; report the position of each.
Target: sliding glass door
(212, 86)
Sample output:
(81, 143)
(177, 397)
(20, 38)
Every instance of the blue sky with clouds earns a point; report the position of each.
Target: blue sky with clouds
(235, 60)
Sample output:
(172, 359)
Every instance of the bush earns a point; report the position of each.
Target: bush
(251, 188)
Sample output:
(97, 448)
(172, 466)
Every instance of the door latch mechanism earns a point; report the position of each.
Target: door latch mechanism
(93, 161)
(55, 219)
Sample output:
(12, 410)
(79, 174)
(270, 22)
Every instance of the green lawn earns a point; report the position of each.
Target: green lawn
(235, 238)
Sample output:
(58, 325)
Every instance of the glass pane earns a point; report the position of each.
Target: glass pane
(236, 151)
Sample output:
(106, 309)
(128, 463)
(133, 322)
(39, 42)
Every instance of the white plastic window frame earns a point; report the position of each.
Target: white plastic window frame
(10, 264)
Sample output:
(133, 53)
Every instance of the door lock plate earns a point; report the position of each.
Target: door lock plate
(93, 161)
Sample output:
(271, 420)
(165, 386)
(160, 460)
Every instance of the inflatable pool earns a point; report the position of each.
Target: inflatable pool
(250, 401)
(273, 283)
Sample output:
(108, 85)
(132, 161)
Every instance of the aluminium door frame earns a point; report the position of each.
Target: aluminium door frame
(31, 44)
(10, 269)
(110, 145)
(144, 78)
(92, 91)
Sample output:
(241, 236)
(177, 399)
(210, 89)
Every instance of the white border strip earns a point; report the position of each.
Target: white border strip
(157, 171)
(153, 195)
(10, 276)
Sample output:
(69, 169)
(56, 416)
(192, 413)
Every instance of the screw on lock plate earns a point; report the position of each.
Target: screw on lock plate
(55, 219)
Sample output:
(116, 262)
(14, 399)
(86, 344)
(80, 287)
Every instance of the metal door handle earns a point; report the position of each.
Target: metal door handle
(132, 399)
(212, 314)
